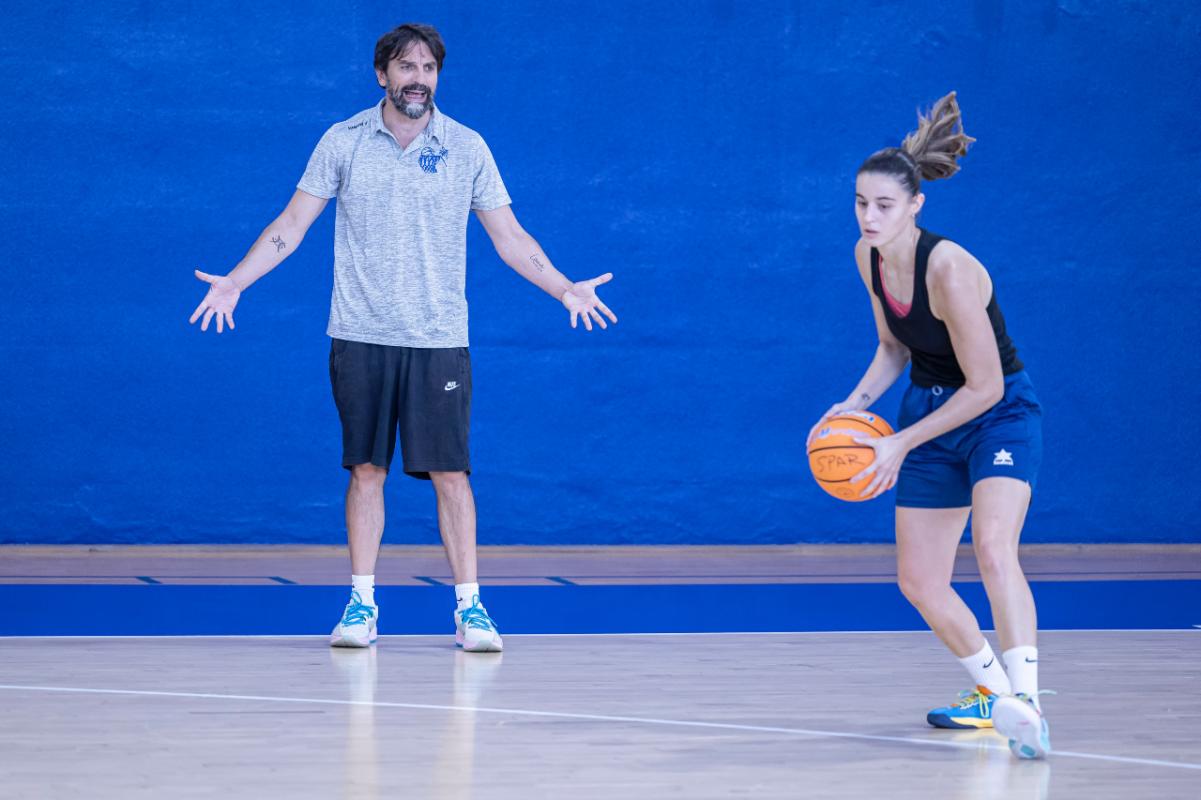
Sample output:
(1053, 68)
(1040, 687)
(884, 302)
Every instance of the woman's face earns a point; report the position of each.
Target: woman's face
(883, 207)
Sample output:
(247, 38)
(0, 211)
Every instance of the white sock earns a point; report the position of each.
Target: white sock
(465, 594)
(365, 586)
(986, 670)
(1022, 663)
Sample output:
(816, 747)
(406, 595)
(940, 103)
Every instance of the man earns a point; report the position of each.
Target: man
(405, 177)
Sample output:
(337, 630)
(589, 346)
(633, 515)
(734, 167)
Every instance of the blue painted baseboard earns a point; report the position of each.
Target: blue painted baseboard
(106, 610)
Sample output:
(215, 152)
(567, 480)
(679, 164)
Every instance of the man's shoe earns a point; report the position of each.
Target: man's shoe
(358, 624)
(475, 631)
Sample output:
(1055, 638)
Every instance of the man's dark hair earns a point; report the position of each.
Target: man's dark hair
(396, 42)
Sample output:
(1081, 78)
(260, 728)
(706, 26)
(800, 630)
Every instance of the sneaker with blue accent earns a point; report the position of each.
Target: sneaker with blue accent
(357, 627)
(973, 710)
(1019, 720)
(475, 631)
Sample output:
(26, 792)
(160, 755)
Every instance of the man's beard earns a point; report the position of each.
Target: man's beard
(408, 108)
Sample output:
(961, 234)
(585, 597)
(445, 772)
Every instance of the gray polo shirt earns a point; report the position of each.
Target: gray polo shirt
(400, 233)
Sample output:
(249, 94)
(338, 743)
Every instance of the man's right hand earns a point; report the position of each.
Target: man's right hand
(222, 296)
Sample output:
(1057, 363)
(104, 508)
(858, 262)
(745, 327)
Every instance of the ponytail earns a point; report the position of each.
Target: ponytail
(939, 140)
(930, 152)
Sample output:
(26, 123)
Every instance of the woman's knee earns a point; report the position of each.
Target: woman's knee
(996, 555)
(923, 591)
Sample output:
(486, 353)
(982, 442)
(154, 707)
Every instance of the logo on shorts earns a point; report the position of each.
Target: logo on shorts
(1002, 458)
(450, 386)
(429, 158)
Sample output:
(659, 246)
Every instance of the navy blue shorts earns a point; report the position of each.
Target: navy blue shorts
(1004, 442)
(424, 393)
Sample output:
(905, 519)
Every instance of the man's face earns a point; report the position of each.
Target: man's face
(411, 80)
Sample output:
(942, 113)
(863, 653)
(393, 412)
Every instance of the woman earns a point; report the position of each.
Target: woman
(969, 437)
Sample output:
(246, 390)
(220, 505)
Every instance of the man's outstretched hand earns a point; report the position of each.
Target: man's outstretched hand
(581, 301)
(222, 296)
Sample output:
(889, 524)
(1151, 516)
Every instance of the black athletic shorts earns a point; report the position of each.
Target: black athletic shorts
(425, 393)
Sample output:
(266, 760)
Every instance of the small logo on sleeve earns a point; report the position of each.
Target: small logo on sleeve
(1002, 458)
(429, 158)
(450, 386)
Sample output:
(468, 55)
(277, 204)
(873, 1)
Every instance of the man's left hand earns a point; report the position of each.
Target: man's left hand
(582, 302)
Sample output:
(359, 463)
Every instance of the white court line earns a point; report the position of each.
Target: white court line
(144, 638)
(727, 726)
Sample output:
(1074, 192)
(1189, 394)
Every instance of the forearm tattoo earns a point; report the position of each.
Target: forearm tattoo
(865, 398)
(279, 243)
(537, 263)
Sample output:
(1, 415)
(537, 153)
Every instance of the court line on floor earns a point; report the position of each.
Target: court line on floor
(1050, 576)
(518, 712)
(143, 638)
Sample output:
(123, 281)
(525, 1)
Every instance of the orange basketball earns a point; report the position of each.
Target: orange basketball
(835, 457)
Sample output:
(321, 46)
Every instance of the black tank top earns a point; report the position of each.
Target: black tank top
(929, 343)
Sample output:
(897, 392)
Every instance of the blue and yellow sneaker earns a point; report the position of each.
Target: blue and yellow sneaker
(357, 628)
(475, 631)
(1020, 721)
(974, 710)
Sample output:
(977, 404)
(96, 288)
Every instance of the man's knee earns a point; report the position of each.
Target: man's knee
(451, 482)
(367, 476)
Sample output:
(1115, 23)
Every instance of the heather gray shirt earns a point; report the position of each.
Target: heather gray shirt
(400, 233)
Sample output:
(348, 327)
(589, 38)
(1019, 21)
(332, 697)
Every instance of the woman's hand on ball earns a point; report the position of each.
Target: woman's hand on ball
(837, 408)
(890, 454)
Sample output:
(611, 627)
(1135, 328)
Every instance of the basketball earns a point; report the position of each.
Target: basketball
(835, 458)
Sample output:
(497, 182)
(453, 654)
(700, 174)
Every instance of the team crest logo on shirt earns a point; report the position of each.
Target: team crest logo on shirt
(1002, 458)
(429, 158)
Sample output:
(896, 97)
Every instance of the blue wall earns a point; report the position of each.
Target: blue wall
(703, 152)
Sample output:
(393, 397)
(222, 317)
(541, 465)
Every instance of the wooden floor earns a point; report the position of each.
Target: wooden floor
(731, 715)
(787, 715)
(400, 565)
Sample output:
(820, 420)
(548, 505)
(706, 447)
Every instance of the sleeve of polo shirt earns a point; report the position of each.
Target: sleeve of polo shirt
(487, 190)
(323, 176)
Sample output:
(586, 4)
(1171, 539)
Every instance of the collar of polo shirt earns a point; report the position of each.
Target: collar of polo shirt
(436, 127)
